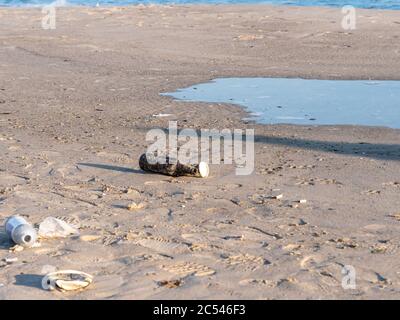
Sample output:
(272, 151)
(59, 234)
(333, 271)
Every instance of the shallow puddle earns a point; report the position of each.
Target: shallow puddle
(305, 102)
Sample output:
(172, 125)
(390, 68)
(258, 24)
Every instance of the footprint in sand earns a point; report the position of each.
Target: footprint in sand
(191, 227)
(195, 237)
(199, 242)
(110, 240)
(163, 245)
(328, 271)
(246, 261)
(229, 186)
(189, 268)
(199, 247)
(117, 157)
(155, 183)
(31, 196)
(150, 257)
(107, 286)
(64, 171)
(217, 210)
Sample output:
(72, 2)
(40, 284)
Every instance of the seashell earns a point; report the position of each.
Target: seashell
(66, 280)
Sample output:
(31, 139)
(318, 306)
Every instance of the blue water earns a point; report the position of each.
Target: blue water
(305, 102)
(368, 4)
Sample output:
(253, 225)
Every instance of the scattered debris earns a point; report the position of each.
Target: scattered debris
(173, 168)
(301, 222)
(395, 216)
(250, 37)
(20, 231)
(274, 235)
(381, 279)
(241, 259)
(371, 192)
(74, 198)
(66, 280)
(135, 206)
(55, 228)
(287, 280)
(343, 243)
(162, 115)
(170, 284)
(131, 190)
(392, 183)
(89, 237)
(379, 248)
(10, 260)
(237, 201)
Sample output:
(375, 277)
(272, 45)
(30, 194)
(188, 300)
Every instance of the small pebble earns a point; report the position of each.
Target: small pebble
(90, 237)
(134, 206)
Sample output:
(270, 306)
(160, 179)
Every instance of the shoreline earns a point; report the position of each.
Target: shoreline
(79, 100)
(198, 4)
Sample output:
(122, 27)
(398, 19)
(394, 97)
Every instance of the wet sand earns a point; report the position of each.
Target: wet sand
(77, 101)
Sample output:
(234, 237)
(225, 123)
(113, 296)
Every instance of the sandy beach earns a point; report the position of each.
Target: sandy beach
(76, 103)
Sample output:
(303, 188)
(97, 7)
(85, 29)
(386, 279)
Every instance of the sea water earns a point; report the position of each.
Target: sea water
(304, 102)
(368, 4)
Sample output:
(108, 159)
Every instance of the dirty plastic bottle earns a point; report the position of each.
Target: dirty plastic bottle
(20, 231)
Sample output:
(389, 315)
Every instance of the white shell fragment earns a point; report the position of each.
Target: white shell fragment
(66, 280)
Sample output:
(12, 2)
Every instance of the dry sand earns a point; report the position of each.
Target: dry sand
(76, 103)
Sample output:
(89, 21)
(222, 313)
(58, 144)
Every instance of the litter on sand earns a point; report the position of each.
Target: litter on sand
(55, 228)
(20, 231)
(168, 167)
(66, 280)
